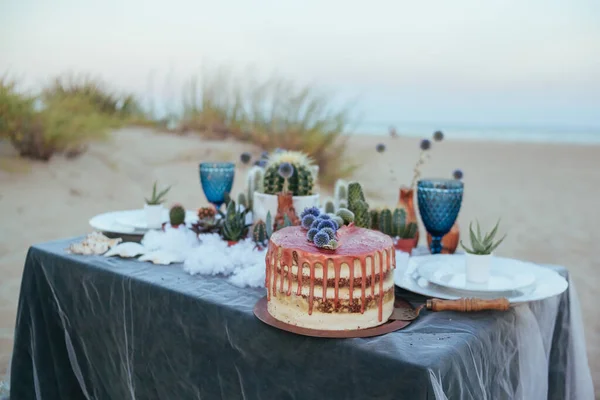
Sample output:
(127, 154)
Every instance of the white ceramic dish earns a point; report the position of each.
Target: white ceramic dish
(547, 284)
(129, 222)
(449, 271)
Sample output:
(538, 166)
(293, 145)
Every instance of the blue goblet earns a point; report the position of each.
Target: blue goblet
(216, 180)
(439, 204)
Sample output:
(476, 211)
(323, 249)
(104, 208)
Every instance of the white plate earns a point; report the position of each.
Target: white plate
(449, 271)
(118, 221)
(548, 283)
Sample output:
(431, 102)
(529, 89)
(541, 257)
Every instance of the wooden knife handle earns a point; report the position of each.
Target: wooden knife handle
(468, 304)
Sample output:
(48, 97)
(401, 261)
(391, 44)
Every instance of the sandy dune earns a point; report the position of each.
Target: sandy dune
(547, 196)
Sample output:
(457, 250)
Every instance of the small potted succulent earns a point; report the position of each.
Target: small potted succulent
(207, 221)
(358, 205)
(402, 232)
(479, 256)
(177, 216)
(233, 225)
(154, 207)
(266, 183)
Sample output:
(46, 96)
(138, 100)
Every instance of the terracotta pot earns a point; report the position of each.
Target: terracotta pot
(449, 241)
(231, 243)
(285, 207)
(406, 202)
(406, 245)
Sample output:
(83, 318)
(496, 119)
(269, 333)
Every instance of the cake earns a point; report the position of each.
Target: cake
(351, 287)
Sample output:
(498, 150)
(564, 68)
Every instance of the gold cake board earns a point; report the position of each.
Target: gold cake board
(261, 312)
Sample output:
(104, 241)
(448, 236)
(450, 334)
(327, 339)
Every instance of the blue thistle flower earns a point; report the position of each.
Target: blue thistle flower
(327, 224)
(324, 216)
(261, 163)
(245, 157)
(307, 221)
(310, 235)
(425, 144)
(457, 174)
(321, 239)
(438, 136)
(380, 148)
(310, 210)
(330, 232)
(264, 155)
(286, 170)
(315, 224)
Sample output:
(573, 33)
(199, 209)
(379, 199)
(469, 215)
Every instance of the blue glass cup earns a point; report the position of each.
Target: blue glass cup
(216, 179)
(439, 204)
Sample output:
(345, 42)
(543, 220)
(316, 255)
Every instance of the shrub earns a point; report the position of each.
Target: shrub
(39, 128)
(271, 114)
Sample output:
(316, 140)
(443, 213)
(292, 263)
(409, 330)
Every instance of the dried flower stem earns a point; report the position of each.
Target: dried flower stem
(424, 156)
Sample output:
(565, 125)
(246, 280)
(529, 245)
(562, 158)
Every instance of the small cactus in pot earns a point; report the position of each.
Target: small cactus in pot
(259, 235)
(358, 205)
(299, 183)
(177, 215)
(329, 207)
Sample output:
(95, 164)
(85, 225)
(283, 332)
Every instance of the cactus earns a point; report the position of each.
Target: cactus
(343, 204)
(338, 220)
(340, 193)
(329, 207)
(358, 205)
(254, 183)
(385, 222)
(398, 222)
(374, 219)
(259, 234)
(207, 223)
(269, 223)
(409, 232)
(242, 200)
(234, 225)
(300, 183)
(346, 215)
(177, 215)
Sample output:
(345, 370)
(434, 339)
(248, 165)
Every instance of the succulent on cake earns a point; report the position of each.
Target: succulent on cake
(234, 225)
(346, 215)
(358, 205)
(157, 197)
(482, 244)
(279, 177)
(177, 215)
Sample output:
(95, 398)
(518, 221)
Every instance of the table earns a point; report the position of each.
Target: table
(90, 327)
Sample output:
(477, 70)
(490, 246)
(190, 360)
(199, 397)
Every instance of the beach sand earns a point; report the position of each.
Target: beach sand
(546, 195)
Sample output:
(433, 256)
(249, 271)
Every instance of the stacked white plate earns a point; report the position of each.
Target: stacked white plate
(443, 276)
(130, 222)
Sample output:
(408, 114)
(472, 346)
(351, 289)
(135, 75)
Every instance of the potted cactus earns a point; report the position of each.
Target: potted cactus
(299, 185)
(154, 207)
(233, 226)
(395, 224)
(479, 255)
(358, 205)
(177, 216)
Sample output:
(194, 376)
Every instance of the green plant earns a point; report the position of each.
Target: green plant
(207, 221)
(157, 197)
(285, 224)
(269, 223)
(271, 114)
(482, 244)
(259, 234)
(254, 183)
(340, 193)
(300, 183)
(399, 226)
(374, 215)
(177, 215)
(329, 207)
(242, 200)
(234, 225)
(358, 205)
(346, 215)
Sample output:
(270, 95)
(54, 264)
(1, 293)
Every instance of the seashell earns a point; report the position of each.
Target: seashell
(161, 257)
(126, 250)
(93, 244)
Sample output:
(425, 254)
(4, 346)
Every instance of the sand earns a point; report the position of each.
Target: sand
(546, 195)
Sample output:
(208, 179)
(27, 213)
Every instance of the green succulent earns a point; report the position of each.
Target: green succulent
(259, 234)
(242, 200)
(177, 215)
(358, 205)
(157, 197)
(482, 244)
(234, 227)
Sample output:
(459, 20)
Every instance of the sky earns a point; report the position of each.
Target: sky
(471, 62)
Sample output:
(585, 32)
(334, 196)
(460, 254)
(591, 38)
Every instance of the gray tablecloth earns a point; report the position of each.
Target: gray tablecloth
(90, 327)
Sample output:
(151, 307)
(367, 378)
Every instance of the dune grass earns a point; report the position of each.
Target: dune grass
(272, 114)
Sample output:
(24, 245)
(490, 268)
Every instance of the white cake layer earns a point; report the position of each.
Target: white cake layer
(343, 292)
(329, 321)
